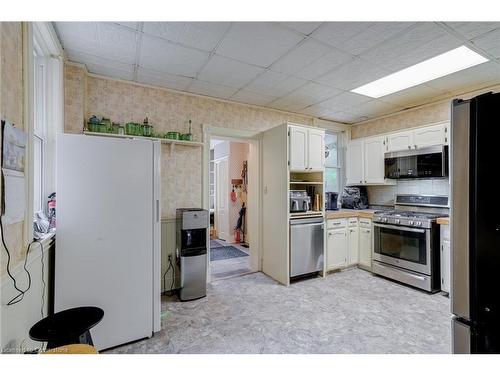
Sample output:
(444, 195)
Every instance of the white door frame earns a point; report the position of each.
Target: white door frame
(254, 138)
(218, 226)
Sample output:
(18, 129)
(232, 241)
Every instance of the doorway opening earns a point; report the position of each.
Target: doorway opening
(230, 249)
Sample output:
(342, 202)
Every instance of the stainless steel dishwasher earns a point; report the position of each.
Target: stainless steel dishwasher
(306, 246)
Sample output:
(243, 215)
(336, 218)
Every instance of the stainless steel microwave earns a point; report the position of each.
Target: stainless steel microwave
(431, 162)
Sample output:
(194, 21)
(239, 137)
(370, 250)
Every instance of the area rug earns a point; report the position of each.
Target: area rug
(214, 244)
(226, 252)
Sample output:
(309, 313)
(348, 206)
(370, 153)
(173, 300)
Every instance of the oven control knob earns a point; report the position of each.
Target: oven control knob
(419, 223)
(396, 221)
(384, 220)
(411, 222)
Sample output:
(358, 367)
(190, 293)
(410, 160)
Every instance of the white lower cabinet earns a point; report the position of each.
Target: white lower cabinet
(445, 258)
(365, 247)
(353, 244)
(336, 242)
(348, 243)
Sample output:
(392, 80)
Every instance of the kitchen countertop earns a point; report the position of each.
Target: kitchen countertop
(443, 220)
(345, 213)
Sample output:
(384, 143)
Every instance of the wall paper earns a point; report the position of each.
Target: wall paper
(11, 109)
(166, 110)
(408, 119)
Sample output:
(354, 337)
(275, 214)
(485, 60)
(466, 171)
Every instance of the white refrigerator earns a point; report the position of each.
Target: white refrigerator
(108, 234)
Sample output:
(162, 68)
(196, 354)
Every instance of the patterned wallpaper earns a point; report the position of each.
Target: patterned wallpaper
(408, 119)
(87, 95)
(11, 108)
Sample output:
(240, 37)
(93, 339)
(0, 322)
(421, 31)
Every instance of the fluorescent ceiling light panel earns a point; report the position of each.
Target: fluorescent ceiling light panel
(449, 62)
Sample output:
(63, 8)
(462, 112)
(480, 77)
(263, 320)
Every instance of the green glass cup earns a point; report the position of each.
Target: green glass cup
(130, 128)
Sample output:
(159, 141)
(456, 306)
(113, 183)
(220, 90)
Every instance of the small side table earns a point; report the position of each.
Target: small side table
(66, 327)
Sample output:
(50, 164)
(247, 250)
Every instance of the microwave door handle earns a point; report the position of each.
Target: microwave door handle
(405, 229)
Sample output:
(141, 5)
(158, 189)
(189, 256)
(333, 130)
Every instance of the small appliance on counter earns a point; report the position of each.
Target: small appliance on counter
(355, 198)
(331, 203)
(191, 227)
(299, 201)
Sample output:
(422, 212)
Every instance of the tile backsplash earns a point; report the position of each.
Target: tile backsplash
(384, 195)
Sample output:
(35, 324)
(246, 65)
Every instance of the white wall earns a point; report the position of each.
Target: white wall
(384, 195)
(16, 320)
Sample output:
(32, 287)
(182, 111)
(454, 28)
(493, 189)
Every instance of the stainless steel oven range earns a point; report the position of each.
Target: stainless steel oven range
(406, 241)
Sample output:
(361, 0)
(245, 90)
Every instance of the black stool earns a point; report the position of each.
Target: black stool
(66, 327)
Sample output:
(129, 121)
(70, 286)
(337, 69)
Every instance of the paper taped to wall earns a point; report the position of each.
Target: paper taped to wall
(14, 196)
(14, 148)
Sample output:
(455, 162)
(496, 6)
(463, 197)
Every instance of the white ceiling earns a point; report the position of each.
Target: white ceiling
(303, 67)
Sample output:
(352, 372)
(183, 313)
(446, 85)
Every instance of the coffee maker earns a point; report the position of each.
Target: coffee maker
(331, 201)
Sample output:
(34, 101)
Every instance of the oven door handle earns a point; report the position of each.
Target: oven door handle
(405, 229)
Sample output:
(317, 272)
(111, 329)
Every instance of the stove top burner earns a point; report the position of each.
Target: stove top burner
(406, 218)
(409, 214)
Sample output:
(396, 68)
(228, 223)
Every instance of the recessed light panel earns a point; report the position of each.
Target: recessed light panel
(449, 62)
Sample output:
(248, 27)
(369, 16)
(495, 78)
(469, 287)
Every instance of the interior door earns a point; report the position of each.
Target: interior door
(355, 162)
(222, 201)
(298, 149)
(105, 229)
(374, 160)
(315, 150)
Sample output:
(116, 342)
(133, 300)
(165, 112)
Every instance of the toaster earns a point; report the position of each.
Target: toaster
(299, 201)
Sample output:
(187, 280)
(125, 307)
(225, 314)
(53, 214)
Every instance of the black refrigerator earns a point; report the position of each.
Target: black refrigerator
(475, 224)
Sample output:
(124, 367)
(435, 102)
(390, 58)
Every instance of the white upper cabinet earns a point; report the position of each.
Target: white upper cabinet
(430, 136)
(316, 149)
(400, 141)
(307, 149)
(374, 160)
(298, 148)
(355, 162)
(427, 136)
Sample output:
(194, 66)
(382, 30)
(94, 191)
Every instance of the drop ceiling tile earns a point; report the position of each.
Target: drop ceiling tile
(305, 28)
(336, 33)
(418, 43)
(323, 65)
(301, 56)
(211, 89)
(343, 101)
(346, 117)
(471, 30)
(259, 43)
(117, 42)
(352, 74)
(250, 97)
(223, 71)
(110, 72)
(374, 108)
(91, 60)
(130, 25)
(274, 84)
(489, 42)
(202, 35)
(160, 55)
(170, 81)
(482, 75)
(413, 96)
(312, 93)
(79, 36)
(287, 104)
(375, 34)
